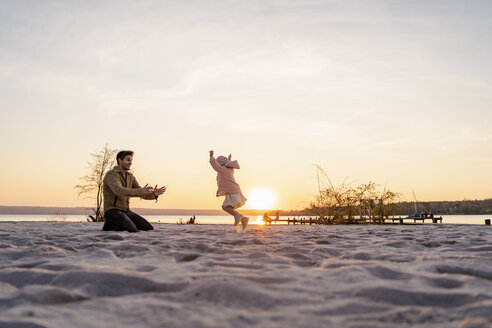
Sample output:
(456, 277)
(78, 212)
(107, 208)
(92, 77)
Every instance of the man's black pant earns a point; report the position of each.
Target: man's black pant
(117, 220)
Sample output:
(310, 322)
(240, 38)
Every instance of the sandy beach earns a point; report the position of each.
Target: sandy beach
(70, 274)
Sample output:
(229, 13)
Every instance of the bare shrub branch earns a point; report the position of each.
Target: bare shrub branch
(92, 183)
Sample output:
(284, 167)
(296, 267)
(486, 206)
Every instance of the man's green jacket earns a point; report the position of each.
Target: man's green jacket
(117, 190)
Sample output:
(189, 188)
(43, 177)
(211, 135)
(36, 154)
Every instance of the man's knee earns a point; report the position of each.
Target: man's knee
(131, 227)
(118, 221)
(144, 225)
(139, 222)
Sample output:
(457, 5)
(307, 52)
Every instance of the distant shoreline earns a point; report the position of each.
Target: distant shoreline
(465, 207)
(42, 210)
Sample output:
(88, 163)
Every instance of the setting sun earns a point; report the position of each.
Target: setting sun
(261, 199)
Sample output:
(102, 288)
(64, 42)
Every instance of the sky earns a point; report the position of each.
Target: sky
(395, 92)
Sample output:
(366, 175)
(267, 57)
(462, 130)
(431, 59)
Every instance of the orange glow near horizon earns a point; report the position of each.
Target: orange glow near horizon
(261, 198)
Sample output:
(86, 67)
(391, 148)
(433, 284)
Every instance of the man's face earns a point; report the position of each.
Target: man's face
(126, 163)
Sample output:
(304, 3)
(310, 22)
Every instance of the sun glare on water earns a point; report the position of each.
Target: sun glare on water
(259, 220)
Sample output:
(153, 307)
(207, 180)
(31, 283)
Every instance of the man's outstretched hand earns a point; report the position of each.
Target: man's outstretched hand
(159, 191)
(211, 152)
(148, 190)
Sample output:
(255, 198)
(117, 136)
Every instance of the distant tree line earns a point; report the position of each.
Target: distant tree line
(465, 206)
(468, 207)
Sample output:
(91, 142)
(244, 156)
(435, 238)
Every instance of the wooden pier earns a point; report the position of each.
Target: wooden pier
(364, 220)
(400, 219)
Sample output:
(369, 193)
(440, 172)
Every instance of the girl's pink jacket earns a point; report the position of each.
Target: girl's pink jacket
(225, 177)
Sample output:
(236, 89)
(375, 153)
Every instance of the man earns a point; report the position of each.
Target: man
(118, 186)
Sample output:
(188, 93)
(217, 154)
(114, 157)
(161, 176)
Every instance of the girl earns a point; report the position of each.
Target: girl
(228, 187)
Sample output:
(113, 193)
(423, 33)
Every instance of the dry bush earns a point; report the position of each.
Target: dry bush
(346, 203)
(92, 183)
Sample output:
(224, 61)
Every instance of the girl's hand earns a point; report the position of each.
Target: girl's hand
(230, 156)
(211, 152)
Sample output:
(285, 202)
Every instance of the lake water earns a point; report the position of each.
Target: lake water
(219, 219)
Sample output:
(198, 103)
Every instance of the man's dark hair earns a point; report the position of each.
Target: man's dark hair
(122, 154)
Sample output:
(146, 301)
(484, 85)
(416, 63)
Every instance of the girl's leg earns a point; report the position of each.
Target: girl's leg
(237, 216)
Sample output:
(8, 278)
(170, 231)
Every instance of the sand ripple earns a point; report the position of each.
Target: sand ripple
(74, 275)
